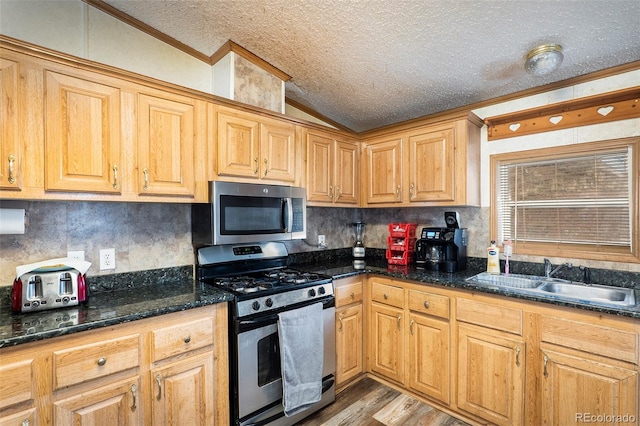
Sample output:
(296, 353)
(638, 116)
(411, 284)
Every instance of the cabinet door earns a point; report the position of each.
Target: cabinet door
(429, 371)
(28, 417)
(183, 392)
(82, 142)
(114, 404)
(431, 166)
(490, 374)
(319, 168)
(10, 171)
(165, 146)
(346, 173)
(383, 163)
(574, 389)
(348, 343)
(386, 351)
(238, 146)
(278, 151)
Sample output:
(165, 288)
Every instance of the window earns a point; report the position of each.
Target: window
(576, 201)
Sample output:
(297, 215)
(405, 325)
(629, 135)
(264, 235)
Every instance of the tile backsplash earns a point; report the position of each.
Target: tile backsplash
(158, 235)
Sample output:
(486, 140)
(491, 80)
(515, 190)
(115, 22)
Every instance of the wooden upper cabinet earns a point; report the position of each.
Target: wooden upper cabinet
(10, 170)
(257, 148)
(82, 135)
(332, 170)
(278, 151)
(432, 165)
(165, 145)
(443, 163)
(238, 145)
(383, 171)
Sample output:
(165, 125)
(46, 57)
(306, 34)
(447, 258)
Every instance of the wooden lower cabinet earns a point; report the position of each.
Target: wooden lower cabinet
(386, 350)
(349, 329)
(167, 370)
(116, 403)
(490, 374)
(497, 361)
(429, 371)
(579, 390)
(183, 392)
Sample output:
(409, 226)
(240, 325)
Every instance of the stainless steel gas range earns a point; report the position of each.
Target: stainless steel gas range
(264, 288)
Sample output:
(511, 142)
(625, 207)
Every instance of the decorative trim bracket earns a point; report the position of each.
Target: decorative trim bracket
(603, 108)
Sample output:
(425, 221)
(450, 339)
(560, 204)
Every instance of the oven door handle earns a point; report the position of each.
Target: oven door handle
(268, 319)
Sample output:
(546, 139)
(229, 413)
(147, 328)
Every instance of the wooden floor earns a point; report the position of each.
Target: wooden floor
(371, 403)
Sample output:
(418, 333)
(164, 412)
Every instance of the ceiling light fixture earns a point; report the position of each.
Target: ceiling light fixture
(544, 59)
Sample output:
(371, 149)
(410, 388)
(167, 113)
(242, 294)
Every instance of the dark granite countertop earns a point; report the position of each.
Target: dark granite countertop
(344, 268)
(120, 298)
(112, 300)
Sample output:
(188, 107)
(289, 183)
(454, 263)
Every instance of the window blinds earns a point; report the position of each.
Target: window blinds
(582, 199)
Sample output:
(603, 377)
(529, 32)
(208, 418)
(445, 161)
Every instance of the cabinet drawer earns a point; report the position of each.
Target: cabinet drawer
(496, 317)
(173, 340)
(348, 293)
(17, 383)
(87, 362)
(429, 303)
(387, 294)
(595, 339)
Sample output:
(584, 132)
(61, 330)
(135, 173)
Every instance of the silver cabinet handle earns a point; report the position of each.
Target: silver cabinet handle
(398, 192)
(399, 319)
(133, 394)
(25, 422)
(255, 160)
(340, 320)
(187, 339)
(265, 167)
(353, 296)
(518, 349)
(12, 178)
(426, 304)
(159, 382)
(412, 190)
(338, 193)
(411, 326)
(145, 172)
(331, 192)
(386, 296)
(102, 361)
(545, 372)
(115, 177)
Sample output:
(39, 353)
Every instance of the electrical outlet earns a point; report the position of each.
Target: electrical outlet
(107, 259)
(322, 241)
(77, 255)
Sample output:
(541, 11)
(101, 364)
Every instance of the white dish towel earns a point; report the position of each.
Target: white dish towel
(301, 337)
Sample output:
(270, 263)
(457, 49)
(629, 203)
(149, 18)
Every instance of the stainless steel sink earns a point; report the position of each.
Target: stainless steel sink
(591, 293)
(512, 280)
(558, 288)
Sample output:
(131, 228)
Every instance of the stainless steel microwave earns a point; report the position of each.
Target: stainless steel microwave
(249, 213)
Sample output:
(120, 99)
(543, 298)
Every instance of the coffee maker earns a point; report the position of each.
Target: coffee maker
(443, 249)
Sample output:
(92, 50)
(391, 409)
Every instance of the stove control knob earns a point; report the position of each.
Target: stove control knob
(321, 290)
(35, 304)
(312, 293)
(255, 305)
(268, 302)
(65, 299)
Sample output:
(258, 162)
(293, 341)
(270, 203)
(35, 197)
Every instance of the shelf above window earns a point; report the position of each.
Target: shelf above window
(603, 108)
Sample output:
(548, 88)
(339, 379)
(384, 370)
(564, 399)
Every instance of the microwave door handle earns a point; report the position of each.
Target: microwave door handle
(287, 219)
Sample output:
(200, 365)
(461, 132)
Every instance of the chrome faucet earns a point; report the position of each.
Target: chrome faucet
(550, 273)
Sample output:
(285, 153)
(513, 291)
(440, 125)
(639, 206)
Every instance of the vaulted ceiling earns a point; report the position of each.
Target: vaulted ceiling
(369, 63)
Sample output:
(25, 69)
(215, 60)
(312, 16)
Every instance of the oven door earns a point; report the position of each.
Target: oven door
(258, 375)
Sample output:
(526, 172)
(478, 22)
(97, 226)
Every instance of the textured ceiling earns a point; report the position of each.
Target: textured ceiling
(369, 63)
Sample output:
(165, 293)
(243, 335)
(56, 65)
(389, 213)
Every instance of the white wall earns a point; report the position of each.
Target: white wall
(75, 28)
(613, 130)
